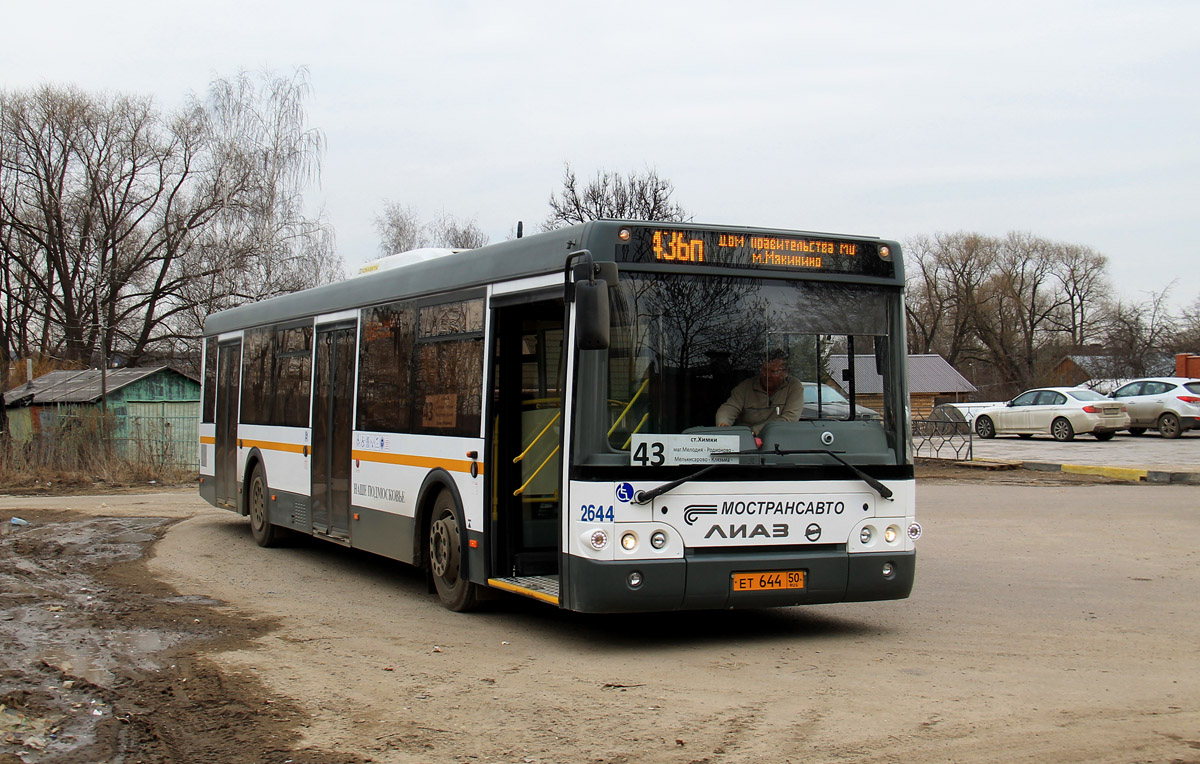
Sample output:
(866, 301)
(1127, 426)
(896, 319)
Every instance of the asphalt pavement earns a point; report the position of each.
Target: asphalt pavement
(1146, 458)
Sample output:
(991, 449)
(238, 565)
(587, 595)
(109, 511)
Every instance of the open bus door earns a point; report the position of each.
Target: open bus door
(526, 446)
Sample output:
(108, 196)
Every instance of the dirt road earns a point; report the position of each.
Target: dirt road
(1049, 624)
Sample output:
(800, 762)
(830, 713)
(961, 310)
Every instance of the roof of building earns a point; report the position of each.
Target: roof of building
(84, 386)
(927, 373)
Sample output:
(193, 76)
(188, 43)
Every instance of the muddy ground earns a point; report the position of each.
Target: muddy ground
(101, 662)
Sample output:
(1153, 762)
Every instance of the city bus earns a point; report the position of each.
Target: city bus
(539, 417)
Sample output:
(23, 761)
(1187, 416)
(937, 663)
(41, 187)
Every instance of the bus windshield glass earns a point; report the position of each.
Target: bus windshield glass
(704, 364)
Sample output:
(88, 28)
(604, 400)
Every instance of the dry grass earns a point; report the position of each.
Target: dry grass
(80, 451)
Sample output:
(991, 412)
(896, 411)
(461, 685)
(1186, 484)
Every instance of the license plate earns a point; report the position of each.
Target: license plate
(768, 580)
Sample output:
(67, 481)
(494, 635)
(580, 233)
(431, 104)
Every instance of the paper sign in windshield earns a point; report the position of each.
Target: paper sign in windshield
(671, 450)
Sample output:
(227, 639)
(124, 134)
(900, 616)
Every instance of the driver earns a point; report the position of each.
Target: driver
(772, 396)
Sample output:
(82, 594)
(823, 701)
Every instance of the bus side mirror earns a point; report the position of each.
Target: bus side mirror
(591, 314)
(589, 291)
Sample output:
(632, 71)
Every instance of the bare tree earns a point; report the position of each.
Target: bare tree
(401, 229)
(445, 230)
(122, 226)
(1137, 334)
(1187, 338)
(1020, 299)
(946, 278)
(609, 195)
(1082, 276)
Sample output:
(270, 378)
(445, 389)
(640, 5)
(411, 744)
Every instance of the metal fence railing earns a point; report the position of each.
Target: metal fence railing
(940, 439)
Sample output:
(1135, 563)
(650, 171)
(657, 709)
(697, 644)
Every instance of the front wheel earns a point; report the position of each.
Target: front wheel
(1103, 435)
(1062, 430)
(984, 427)
(265, 534)
(446, 556)
(1168, 426)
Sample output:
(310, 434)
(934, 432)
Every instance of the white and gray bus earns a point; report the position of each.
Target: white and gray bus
(539, 416)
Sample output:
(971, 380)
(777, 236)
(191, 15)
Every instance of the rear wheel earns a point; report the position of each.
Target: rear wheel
(1168, 426)
(1062, 430)
(1104, 435)
(1137, 430)
(447, 554)
(264, 533)
(984, 427)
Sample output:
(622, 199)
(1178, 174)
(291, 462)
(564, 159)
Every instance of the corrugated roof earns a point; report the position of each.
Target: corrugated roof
(74, 386)
(927, 373)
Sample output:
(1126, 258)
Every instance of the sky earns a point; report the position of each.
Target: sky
(1076, 121)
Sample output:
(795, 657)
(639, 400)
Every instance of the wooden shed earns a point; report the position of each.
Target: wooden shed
(155, 407)
(931, 380)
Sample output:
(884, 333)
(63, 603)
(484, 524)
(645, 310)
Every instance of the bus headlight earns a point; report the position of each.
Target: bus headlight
(598, 539)
(890, 534)
(658, 539)
(865, 535)
(914, 531)
(628, 541)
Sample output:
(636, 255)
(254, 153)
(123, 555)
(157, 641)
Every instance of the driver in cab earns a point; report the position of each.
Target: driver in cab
(772, 396)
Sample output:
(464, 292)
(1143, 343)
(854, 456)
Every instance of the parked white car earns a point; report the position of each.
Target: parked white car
(1170, 405)
(962, 412)
(1062, 412)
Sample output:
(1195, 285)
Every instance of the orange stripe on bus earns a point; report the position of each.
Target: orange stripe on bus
(270, 445)
(409, 460)
(208, 440)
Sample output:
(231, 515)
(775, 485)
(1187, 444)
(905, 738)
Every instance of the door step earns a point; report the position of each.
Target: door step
(544, 588)
(342, 539)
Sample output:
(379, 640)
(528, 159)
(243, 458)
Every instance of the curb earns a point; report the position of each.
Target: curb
(1128, 474)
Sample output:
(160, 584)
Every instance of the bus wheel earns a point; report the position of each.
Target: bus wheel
(446, 556)
(264, 533)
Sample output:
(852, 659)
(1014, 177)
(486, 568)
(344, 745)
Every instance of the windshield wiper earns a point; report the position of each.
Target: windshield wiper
(880, 488)
(645, 497)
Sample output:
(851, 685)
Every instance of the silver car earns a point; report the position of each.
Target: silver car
(1061, 412)
(1170, 405)
(831, 404)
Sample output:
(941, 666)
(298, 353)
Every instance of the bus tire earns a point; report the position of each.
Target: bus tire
(447, 553)
(265, 534)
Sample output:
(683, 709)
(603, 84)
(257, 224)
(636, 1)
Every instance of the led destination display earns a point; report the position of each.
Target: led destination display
(692, 247)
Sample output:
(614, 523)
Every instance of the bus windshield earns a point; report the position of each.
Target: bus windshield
(756, 363)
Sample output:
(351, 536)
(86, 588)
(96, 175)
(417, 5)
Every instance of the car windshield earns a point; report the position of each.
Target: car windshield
(1086, 395)
(828, 394)
(737, 357)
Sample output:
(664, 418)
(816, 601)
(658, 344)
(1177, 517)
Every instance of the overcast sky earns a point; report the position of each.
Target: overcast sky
(1076, 121)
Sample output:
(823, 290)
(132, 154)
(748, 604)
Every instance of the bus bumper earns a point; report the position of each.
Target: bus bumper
(702, 582)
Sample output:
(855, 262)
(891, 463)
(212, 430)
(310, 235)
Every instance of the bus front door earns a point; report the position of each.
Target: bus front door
(229, 372)
(333, 401)
(526, 442)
